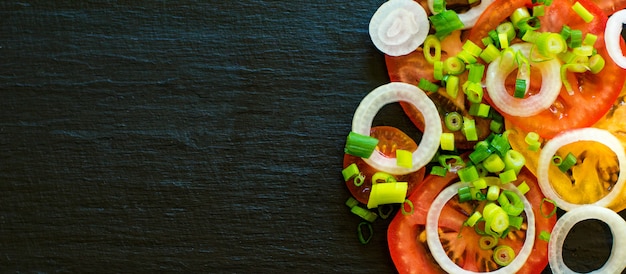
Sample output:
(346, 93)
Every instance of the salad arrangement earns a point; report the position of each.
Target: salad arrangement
(521, 105)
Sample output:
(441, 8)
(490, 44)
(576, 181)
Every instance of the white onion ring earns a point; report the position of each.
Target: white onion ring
(613, 37)
(583, 134)
(399, 27)
(523, 107)
(436, 249)
(469, 17)
(396, 92)
(617, 260)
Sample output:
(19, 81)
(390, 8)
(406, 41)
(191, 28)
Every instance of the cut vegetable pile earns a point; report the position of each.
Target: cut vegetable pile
(522, 109)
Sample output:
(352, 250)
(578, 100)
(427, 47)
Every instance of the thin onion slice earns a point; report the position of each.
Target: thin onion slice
(399, 27)
(497, 72)
(617, 260)
(613, 37)
(469, 17)
(434, 244)
(391, 93)
(583, 134)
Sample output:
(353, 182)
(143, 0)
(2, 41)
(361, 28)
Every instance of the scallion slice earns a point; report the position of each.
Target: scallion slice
(360, 145)
(362, 235)
(453, 121)
(582, 12)
(503, 255)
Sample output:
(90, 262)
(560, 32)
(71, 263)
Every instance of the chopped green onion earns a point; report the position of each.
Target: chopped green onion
(439, 6)
(481, 183)
(574, 68)
(493, 34)
(496, 126)
(473, 219)
(493, 163)
(360, 145)
(364, 213)
(508, 176)
(575, 39)
(477, 194)
(476, 72)
(582, 12)
(530, 36)
(504, 40)
(596, 63)
(496, 219)
(472, 48)
(351, 202)
(445, 23)
(516, 221)
(508, 29)
(404, 158)
(490, 53)
(520, 88)
(452, 85)
(503, 255)
(550, 44)
(439, 171)
(359, 179)
(544, 235)
(468, 174)
(583, 50)
(519, 14)
(428, 86)
(539, 10)
(478, 229)
(514, 160)
(469, 129)
(566, 32)
(361, 235)
(500, 143)
(443, 161)
(384, 211)
(350, 171)
(590, 39)
(547, 2)
(466, 57)
(487, 41)
(523, 188)
(447, 141)
(454, 65)
(464, 194)
(528, 24)
(410, 204)
(483, 110)
(432, 49)
(568, 162)
(474, 92)
(511, 203)
(438, 70)
(552, 212)
(453, 121)
(383, 177)
(557, 160)
(481, 152)
(493, 192)
(487, 242)
(532, 139)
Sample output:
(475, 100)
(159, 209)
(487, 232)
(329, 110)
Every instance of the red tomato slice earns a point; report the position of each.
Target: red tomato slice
(389, 140)
(594, 93)
(610, 6)
(409, 250)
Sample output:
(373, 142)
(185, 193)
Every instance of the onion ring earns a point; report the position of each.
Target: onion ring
(399, 27)
(497, 73)
(434, 244)
(395, 92)
(469, 17)
(571, 136)
(615, 263)
(613, 37)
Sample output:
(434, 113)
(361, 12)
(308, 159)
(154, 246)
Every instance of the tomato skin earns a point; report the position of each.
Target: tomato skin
(610, 6)
(594, 93)
(411, 256)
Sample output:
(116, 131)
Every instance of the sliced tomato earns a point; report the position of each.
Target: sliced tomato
(413, 67)
(594, 93)
(610, 6)
(406, 233)
(390, 139)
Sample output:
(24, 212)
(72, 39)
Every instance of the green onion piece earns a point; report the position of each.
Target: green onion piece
(557, 160)
(520, 88)
(552, 212)
(466, 57)
(445, 23)
(596, 63)
(478, 229)
(503, 255)
(496, 116)
(539, 10)
(439, 171)
(360, 233)
(544, 235)
(359, 179)
(443, 161)
(404, 158)
(472, 48)
(500, 143)
(582, 12)
(439, 6)
(350, 171)
(383, 177)
(490, 53)
(438, 70)
(508, 29)
(483, 110)
(513, 160)
(464, 194)
(516, 221)
(575, 39)
(528, 24)
(453, 121)
(590, 39)
(351, 202)
(481, 183)
(530, 36)
(498, 221)
(511, 203)
(428, 86)
(566, 32)
(432, 49)
(487, 242)
(410, 204)
(568, 162)
(469, 128)
(487, 41)
(567, 57)
(364, 213)
(493, 192)
(493, 163)
(454, 65)
(489, 210)
(473, 110)
(452, 86)
(550, 44)
(481, 152)
(532, 139)
(468, 174)
(493, 34)
(496, 126)
(473, 219)
(477, 194)
(360, 145)
(547, 2)
(519, 14)
(447, 141)
(508, 176)
(504, 40)
(573, 68)
(583, 50)
(384, 211)
(523, 188)
(474, 92)
(476, 72)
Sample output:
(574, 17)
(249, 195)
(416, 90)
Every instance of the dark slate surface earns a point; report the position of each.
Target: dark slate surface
(183, 136)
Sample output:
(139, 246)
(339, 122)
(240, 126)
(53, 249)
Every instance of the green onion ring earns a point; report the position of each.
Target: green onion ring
(469, 17)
